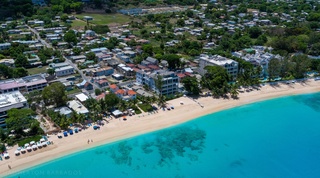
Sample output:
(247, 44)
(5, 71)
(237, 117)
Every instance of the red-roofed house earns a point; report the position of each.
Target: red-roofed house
(102, 82)
(101, 96)
(122, 93)
(113, 88)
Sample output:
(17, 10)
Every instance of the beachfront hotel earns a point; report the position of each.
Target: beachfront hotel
(24, 84)
(230, 65)
(9, 101)
(170, 81)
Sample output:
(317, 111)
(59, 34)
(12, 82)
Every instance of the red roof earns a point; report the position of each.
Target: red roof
(181, 75)
(131, 92)
(102, 81)
(120, 91)
(131, 65)
(141, 66)
(154, 67)
(113, 86)
(101, 96)
(136, 69)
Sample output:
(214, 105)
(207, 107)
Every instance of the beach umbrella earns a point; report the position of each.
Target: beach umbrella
(17, 152)
(42, 140)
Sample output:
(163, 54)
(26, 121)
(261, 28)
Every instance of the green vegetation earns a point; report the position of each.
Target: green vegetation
(73, 91)
(77, 24)
(29, 139)
(37, 70)
(54, 94)
(105, 19)
(145, 107)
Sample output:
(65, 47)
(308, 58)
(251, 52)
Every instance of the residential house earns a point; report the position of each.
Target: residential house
(63, 71)
(7, 62)
(150, 60)
(82, 97)
(77, 107)
(102, 82)
(85, 85)
(4, 46)
(64, 111)
(126, 71)
(97, 72)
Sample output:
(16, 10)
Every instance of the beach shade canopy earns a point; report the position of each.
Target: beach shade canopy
(19, 148)
(117, 113)
(44, 144)
(181, 102)
(34, 146)
(42, 140)
(39, 145)
(29, 148)
(32, 142)
(76, 130)
(17, 152)
(6, 155)
(65, 133)
(95, 127)
(26, 145)
(70, 132)
(23, 150)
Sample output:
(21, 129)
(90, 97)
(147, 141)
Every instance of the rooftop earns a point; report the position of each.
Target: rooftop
(11, 100)
(24, 81)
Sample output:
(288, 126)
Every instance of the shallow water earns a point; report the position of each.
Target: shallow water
(274, 138)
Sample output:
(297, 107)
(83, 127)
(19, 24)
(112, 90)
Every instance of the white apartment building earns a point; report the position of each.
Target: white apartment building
(216, 60)
(170, 81)
(9, 101)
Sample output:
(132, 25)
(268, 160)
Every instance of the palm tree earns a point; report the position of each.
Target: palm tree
(122, 105)
(234, 91)
(162, 101)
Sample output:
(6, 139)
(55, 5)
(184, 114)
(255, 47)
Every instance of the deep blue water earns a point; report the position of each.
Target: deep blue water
(273, 138)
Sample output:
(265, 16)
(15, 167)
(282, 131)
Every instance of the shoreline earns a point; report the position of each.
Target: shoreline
(118, 129)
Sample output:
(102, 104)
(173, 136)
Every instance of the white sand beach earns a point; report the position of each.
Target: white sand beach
(118, 129)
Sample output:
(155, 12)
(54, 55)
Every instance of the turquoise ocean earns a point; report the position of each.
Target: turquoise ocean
(268, 139)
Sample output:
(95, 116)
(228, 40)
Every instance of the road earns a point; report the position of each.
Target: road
(95, 86)
(84, 77)
(40, 39)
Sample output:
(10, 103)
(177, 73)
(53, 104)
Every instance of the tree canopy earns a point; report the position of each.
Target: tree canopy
(54, 94)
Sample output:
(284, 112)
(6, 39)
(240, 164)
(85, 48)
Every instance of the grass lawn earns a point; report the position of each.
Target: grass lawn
(104, 19)
(78, 24)
(145, 107)
(37, 70)
(75, 90)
